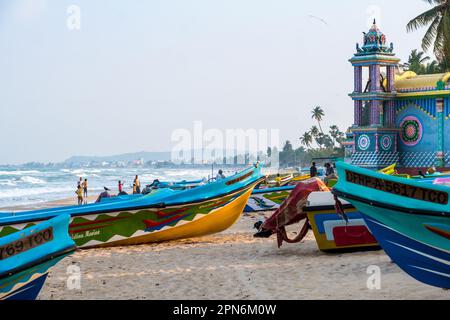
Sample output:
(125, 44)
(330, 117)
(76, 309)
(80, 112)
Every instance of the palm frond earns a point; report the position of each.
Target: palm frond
(431, 33)
(423, 19)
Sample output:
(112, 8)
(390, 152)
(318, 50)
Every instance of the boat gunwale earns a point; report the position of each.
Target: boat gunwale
(383, 205)
(326, 207)
(159, 205)
(44, 259)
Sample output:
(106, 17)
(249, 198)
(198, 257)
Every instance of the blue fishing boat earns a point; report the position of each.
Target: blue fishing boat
(267, 198)
(410, 219)
(164, 214)
(27, 255)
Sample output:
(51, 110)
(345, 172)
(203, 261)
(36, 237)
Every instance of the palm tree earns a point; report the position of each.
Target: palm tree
(438, 33)
(318, 115)
(335, 133)
(314, 131)
(416, 61)
(306, 139)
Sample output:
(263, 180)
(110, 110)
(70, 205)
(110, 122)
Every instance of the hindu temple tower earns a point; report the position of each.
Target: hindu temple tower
(399, 117)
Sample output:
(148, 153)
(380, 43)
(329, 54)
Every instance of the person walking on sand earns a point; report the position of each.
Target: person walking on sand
(85, 190)
(313, 170)
(138, 184)
(80, 182)
(79, 193)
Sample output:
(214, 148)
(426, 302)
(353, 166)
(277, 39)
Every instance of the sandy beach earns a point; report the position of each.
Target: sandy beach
(230, 265)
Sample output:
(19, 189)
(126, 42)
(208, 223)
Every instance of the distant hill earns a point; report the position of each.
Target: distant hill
(147, 156)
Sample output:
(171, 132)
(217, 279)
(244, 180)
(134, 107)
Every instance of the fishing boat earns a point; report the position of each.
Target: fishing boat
(282, 182)
(301, 177)
(162, 215)
(334, 232)
(27, 255)
(267, 198)
(176, 185)
(409, 218)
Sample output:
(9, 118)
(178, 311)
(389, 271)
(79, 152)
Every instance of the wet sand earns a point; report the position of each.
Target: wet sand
(230, 265)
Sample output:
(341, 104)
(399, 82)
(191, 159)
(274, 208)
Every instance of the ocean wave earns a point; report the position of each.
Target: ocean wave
(26, 192)
(18, 172)
(8, 183)
(32, 180)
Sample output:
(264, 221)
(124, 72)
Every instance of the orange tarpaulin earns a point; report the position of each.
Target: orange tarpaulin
(291, 211)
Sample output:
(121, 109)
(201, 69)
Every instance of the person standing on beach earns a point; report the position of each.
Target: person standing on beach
(138, 184)
(85, 190)
(278, 180)
(120, 186)
(313, 170)
(220, 175)
(79, 193)
(80, 181)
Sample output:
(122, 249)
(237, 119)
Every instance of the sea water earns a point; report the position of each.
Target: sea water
(20, 186)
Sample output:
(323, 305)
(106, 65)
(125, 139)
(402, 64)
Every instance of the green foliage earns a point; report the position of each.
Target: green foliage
(418, 63)
(318, 114)
(328, 144)
(437, 19)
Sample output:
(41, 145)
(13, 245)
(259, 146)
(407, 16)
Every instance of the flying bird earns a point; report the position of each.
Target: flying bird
(317, 18)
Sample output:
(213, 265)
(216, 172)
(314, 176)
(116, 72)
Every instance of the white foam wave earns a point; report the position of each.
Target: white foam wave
(18, 172)
(32, 180)
(20, 193)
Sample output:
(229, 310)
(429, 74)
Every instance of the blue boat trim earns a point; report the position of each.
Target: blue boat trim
(345, 195)
(53, 255)
(28, 292)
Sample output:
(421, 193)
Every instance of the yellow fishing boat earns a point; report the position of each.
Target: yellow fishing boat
(215, 221)
(301, 177)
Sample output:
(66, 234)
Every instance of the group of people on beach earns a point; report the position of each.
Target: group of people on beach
(82, 190)
(329, 171)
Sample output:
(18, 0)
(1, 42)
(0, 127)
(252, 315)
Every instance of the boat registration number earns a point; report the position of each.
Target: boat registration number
(397, 188)
(27, 243)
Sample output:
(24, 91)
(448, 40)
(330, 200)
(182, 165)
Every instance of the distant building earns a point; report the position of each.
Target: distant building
(399, 118)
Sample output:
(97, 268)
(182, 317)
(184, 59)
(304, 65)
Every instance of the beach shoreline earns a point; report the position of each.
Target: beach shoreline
(228, 265)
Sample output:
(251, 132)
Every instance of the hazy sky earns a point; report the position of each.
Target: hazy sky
(137, 70)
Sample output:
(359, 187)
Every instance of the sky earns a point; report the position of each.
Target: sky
(136, 71)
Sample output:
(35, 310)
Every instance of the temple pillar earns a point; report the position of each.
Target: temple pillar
(375, 113)
(391, 78)
(358, 79)
(440, 143)
(358, 113)
(374, 74)
(390, 114)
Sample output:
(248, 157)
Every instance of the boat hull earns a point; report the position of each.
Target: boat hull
(27, 255)
(168, 215)
(410, 220)
(219, 219)
(156, 225)
(422, 261)
(333, 233)
(26, 284)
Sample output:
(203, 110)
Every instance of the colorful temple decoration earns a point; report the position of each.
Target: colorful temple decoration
(398, 117)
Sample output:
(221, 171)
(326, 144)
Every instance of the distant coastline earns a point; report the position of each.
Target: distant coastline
(159, 159)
